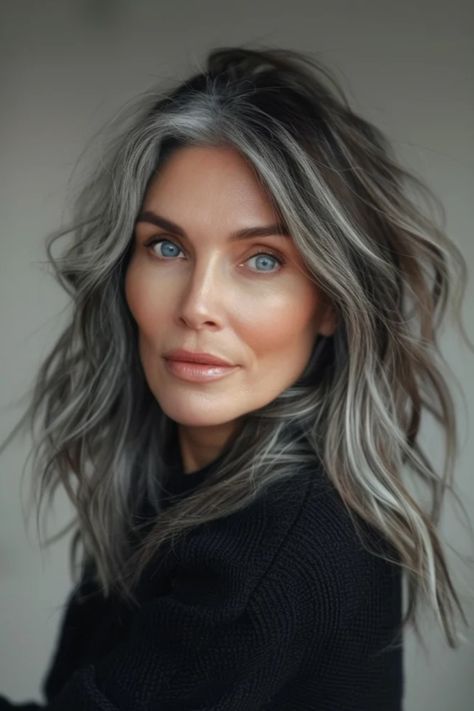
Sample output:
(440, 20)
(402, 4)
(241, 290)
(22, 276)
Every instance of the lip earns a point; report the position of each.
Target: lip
(182, 355)
(198, 372)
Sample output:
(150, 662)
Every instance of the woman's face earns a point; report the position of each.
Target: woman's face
(195, 287)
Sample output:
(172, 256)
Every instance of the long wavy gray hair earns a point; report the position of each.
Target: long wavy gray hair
(388, 269)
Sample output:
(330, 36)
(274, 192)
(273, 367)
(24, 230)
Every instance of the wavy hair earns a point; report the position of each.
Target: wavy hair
(358, 219)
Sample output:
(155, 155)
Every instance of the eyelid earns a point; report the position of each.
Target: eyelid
(171, 238)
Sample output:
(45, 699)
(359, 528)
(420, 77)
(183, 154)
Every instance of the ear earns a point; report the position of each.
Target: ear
(329, 321)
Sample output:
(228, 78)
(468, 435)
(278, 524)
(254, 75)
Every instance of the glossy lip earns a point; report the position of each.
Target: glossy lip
(180, 354)
(197, 372)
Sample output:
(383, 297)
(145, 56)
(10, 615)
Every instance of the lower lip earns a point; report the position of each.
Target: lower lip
(198, 372)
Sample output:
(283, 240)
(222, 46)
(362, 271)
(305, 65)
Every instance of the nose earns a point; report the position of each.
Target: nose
(202, 297)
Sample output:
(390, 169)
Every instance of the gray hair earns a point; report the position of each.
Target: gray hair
(357, 407)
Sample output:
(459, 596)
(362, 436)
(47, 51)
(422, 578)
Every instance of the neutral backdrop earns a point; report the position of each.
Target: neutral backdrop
(68, 66)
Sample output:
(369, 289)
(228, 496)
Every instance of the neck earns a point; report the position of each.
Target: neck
(202, 445)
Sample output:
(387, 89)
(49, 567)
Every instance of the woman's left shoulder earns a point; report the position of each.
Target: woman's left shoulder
(331, 555)
(328, 534)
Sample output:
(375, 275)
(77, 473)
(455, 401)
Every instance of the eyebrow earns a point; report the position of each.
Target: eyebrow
(246, 233)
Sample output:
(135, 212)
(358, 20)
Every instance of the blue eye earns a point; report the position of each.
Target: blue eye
(167, 250)
(171, 249)
(265, 258)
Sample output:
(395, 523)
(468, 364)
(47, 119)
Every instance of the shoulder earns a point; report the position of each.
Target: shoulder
(334, 553)
(330, 576)
(319, 538)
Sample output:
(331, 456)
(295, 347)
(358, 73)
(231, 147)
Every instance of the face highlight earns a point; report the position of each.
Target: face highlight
(196, 281)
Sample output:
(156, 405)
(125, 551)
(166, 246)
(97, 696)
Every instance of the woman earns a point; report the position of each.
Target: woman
(234, 401)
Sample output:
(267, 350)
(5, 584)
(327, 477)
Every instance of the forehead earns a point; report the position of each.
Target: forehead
(216, 177)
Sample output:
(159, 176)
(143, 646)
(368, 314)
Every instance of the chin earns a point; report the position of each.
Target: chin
(199, 416)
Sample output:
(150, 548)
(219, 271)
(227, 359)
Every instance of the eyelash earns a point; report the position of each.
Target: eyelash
(269, 252)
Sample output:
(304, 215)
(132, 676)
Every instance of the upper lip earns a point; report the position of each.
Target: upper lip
(194, 357)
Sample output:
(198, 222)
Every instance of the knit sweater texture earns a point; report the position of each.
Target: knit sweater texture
(275, 607)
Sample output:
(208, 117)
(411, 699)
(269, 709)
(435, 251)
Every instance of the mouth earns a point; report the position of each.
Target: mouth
(183, 355)
(198, 372)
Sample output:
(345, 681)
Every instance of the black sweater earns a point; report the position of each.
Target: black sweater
(277, 607)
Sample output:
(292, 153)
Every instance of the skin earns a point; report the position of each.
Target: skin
(210, 294)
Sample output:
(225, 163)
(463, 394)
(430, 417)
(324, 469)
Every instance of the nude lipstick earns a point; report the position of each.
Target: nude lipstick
(197, 367)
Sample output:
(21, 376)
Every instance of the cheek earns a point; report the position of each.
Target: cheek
(284, 321)
(142, 296)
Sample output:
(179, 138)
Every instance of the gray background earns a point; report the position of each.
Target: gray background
(67, 67)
